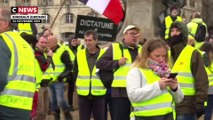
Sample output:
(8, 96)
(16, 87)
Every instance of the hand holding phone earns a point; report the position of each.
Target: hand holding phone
(172, 75)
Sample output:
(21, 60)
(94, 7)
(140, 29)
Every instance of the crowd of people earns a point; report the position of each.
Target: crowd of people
(166, 78)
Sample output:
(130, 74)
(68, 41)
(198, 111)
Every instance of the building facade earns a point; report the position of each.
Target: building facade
(65, 22)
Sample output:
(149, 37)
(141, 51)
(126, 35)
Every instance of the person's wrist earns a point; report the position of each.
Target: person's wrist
(174, 89)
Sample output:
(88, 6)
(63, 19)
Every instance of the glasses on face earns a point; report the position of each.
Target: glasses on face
(132, 33)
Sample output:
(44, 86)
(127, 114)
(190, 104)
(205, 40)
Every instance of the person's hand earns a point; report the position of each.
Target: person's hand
(122, 61)
(173, 84)
(163, 83)
(200, 109)
(50, 53)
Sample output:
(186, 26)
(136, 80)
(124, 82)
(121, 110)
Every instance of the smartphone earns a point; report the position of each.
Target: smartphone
(172, 75)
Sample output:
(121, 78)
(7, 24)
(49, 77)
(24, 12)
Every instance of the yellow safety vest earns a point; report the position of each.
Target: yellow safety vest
(156, 106)
(38, 74)
(87, 82)
(168, 22)
(209, 71)
(59, 65)
(193, 25)
(183, 67)
(120, 75)
(49, 73)
(210, 77)
(25, 27)
(20, 89)
(72, 55)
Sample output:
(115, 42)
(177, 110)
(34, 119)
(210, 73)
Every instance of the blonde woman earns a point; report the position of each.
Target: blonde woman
(149, 87)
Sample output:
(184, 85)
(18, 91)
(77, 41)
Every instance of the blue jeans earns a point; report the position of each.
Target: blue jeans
(186, 117)
(209, 107)
(57, 96)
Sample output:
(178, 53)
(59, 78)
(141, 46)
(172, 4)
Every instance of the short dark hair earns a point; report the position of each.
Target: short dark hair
(92, 32)
(71, 37)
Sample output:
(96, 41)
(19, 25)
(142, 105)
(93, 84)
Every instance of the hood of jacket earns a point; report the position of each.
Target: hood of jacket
(197, 20)
(183, 28)
(178, 47)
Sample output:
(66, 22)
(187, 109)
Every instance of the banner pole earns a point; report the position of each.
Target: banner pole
(57, 13)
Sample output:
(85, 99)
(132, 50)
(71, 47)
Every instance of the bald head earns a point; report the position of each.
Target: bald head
(47, 32)
(52, 42)
(4, 20)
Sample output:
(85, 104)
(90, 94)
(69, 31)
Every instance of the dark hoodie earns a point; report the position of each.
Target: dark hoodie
(190, 104)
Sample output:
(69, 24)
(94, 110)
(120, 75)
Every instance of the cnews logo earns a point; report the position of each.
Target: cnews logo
(25, 9)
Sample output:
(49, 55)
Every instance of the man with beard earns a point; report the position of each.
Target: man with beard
(192, 77)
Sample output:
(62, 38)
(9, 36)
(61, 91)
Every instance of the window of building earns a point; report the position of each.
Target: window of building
(45, 2)
(66, 34)
(23, 2)
(93, 14)
(67, 2)
(47, 20)
(69, 18)
(4, 1)
(192, 3)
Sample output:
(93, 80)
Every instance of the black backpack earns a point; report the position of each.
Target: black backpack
(200, 34)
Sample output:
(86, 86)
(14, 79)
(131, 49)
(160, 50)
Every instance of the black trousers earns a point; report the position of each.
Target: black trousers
(71, 89)
(162, 117)
(120, 109)
(94, 105)
(108, 105)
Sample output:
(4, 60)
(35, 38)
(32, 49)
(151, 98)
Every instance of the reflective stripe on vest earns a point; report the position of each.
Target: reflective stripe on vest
(209, 71)
(159, 105)
(183, 67)
(20, 89)
(59, 65)
(49, 73)
(72, 55)
(87, 83)
(25, 27)
(38, 74)
(168, 22)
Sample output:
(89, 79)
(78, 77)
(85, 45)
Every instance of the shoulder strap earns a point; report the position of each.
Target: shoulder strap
(121, 48)
(122, 54)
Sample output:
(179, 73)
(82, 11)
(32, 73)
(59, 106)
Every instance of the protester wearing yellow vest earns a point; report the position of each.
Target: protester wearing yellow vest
(62, 68)
(193, 25)
(207, 53)
(121, 55)
(44, 57)
(29, 28)
(90, 90)
(72, 48)
(192, 77)
(17, 84)
(170, 19)
(31, 39)
(149, 89)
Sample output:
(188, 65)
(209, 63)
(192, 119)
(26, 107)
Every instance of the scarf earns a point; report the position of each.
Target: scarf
(161, 69)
